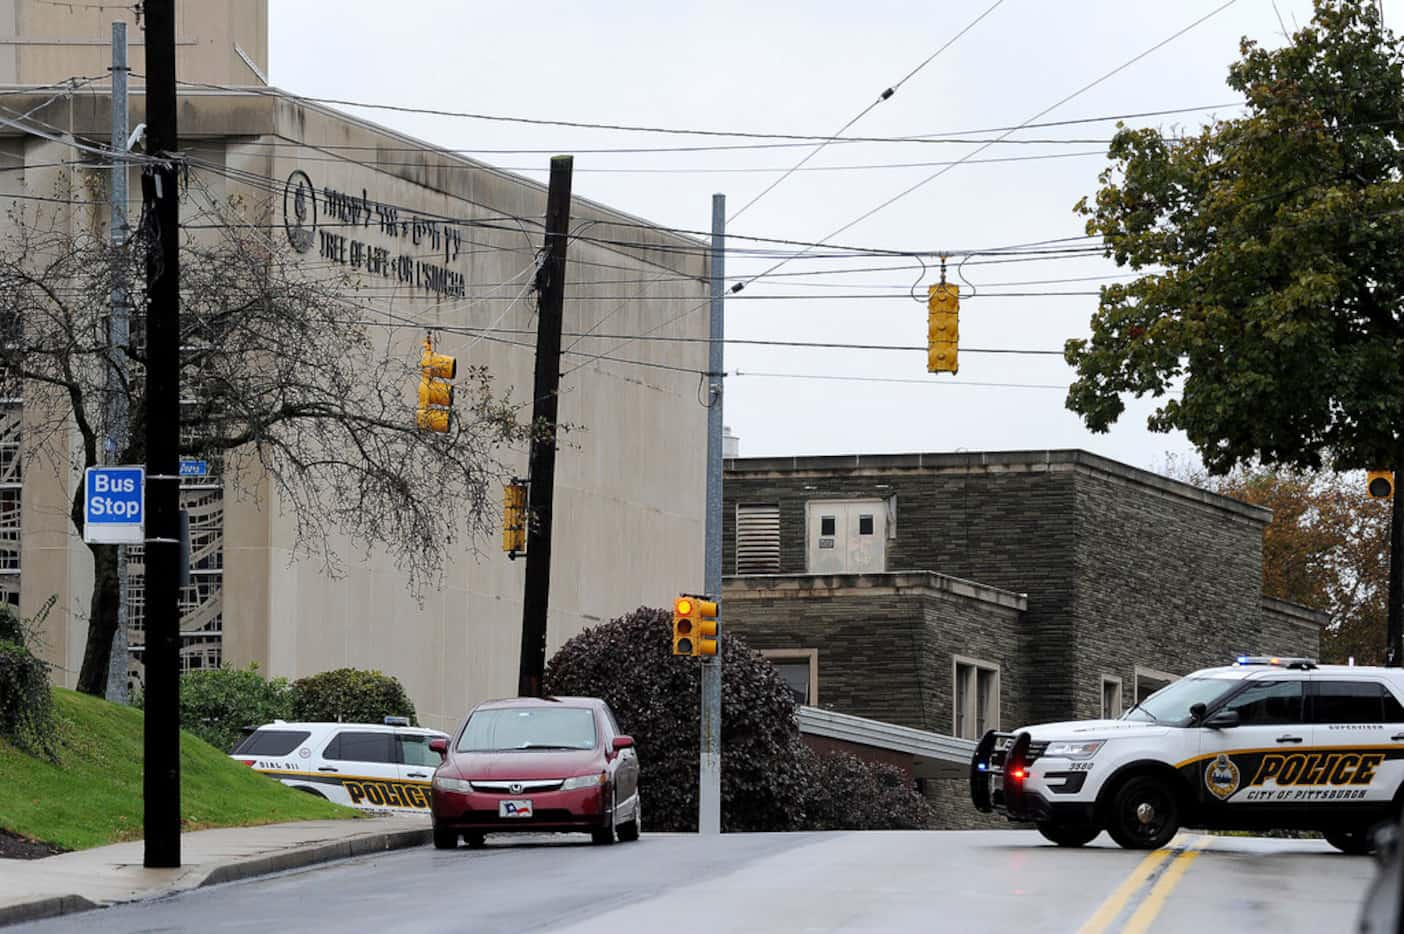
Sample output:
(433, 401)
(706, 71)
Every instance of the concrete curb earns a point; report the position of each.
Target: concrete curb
(311, 855)
(50, 907)
(296, 858)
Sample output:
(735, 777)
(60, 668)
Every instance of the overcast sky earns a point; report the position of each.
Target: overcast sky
(807, 68)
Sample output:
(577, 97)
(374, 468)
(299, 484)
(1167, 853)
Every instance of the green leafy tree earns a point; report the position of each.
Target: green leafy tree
(217, 703)
(350, 695)
(26, 704)
(1270, 250)
(770, 779)
(1326, 547)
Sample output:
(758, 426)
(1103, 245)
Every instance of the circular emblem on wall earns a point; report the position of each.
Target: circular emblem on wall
(300, 211)
(1221, 777)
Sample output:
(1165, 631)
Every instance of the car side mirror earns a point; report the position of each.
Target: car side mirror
(1222, 719)
(440, 745)
(623, 742)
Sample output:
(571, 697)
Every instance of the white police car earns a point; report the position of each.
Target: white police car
(372, 766)
(1263, 744)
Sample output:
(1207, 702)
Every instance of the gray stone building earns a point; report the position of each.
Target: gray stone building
(952, 593)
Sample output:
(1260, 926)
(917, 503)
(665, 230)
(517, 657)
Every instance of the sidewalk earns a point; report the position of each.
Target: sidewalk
(106, 875)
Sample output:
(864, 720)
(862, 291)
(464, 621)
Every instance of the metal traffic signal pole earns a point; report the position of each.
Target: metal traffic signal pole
(709, 769)
(161, 194)
(542, 460)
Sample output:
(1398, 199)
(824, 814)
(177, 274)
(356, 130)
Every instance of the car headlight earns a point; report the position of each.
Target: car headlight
(584, 781)
(1082, 749)
(444, 783)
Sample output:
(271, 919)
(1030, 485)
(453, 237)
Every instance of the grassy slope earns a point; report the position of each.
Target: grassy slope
(93, 795)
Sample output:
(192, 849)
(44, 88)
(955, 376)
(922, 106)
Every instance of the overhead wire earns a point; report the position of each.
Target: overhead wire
(896, 379)
(884, 96)
(805, 139)
(1056, 104)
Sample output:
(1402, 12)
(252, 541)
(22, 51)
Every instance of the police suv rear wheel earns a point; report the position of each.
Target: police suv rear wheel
(1069, 834)
(1144, 814)
(1354, 842)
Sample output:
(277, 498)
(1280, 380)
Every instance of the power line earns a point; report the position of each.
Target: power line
(814, 345)
(1056, 104)
(895, 379)
(805, 139)
(885, 95)
(699, 170)
(274, 185)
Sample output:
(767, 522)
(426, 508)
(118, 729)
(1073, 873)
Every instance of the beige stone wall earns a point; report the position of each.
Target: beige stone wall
(45, 42)
(630, 482)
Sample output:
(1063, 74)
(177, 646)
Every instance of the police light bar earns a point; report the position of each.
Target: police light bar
(1275, 660)
(397, 721)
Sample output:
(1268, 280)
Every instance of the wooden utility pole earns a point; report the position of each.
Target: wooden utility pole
(161, 195)
(542, 462)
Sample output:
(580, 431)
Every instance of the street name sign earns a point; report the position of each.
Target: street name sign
(194, 468)
(114, 505)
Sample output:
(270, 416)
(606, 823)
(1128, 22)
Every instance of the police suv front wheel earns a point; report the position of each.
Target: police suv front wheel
(1354, 842)
(1144, 813)
(1068, 834)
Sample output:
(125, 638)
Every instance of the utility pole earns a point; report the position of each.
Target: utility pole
(550, 281)
(709, 774)
(161, 195)
(1394, 651)
(119, 329)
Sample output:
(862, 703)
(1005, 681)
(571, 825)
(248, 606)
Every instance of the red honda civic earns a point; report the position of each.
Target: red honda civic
(538, 765)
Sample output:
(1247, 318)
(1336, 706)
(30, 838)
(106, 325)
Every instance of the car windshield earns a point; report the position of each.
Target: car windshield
(504, 728)
(1171, 704)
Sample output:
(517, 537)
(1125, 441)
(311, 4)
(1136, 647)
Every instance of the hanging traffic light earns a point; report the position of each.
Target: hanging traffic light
(694, 626)
(514, 503)
(435, 395)
(942, 327)
(1380, 484)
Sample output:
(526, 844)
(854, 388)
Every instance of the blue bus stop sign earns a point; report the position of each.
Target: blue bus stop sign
(114, 505)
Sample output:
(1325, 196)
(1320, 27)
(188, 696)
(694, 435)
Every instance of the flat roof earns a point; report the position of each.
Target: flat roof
(985, 462)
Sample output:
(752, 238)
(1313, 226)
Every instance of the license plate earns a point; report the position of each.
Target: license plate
(520, 808)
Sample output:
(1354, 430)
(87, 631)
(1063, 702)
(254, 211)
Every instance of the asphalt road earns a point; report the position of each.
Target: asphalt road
(862, 882)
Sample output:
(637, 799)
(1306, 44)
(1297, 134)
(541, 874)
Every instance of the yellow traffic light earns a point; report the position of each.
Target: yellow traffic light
(1380, 484)
(942, 328)
(435, 395)
(683, 625)
(514, 503)
(694, 626)
(706, 641)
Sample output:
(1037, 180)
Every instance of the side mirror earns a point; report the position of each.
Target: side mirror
(623, 742)
(440, 745)
(1222, 719)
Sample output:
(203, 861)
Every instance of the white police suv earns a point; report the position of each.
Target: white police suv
(372, 766)
(1263, 744)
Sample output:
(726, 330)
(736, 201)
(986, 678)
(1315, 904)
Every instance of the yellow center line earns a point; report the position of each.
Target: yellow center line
(1112, 907)
(1149, 909)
